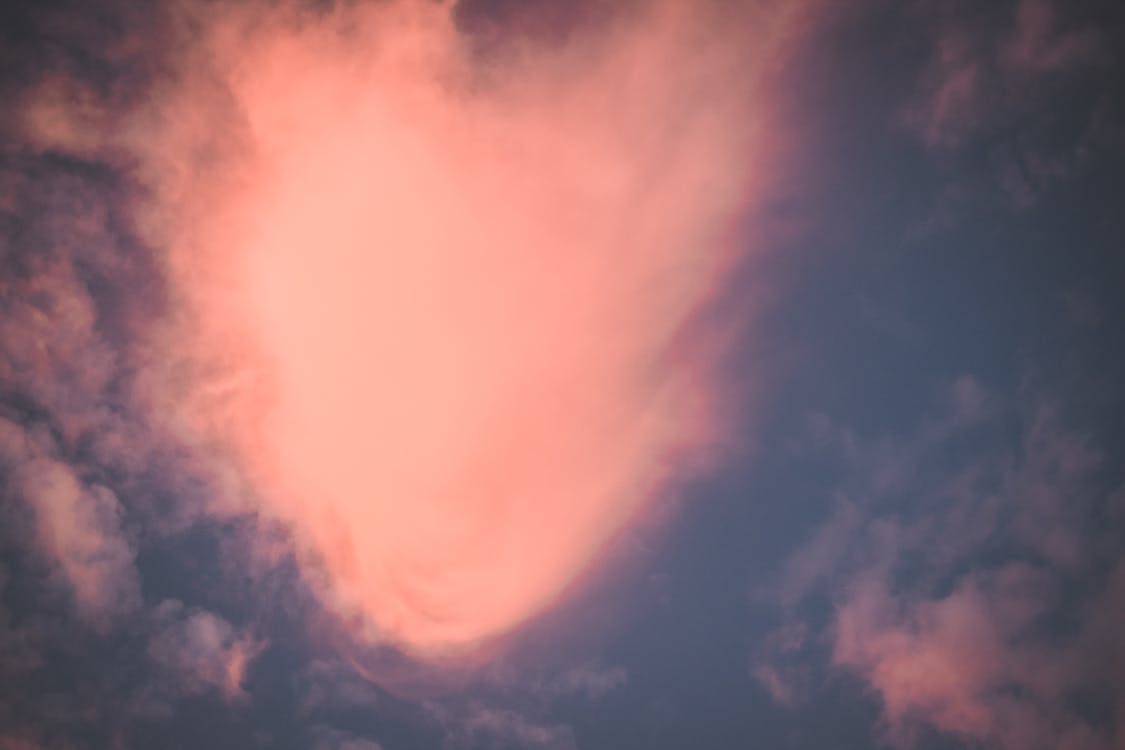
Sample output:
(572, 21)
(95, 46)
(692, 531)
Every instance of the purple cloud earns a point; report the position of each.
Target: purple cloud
(976, 598)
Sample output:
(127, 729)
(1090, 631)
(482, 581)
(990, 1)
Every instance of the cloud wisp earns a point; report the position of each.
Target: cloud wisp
(983, 606)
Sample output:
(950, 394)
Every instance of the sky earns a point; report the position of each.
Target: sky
(541, 375)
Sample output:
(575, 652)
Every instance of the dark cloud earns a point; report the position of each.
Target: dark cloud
(990, 93)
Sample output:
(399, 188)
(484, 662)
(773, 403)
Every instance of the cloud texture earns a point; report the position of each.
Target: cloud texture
(439, 299)
(975, 598)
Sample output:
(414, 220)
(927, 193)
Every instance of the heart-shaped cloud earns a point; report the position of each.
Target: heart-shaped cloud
(456, 281)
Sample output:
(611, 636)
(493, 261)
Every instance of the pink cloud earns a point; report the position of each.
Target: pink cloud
(938, 659)
(204, 651)
(984, 607)
(438, 307)
(976, 664)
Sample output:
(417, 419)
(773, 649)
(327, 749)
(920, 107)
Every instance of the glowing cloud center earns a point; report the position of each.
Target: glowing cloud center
(464, 287)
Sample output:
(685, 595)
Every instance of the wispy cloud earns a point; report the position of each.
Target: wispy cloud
(976, 596)
(203, 650)
(981, 71)
(77, 526)
(983, 101)
(590, 680)
(482, 726)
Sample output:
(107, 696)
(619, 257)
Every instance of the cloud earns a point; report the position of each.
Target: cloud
(77, 526)
(436, 301)
(1039, 43)
(204, 651)
(778, 667)
(590, 680)
(951, 105)
(980, 663)
(509, 706)
(976, 597)
(490, 728)
(985, 100)
(333, 685)
(981, 72)
(328, 738)
(72, 293)
(817, 557)
(19, 641)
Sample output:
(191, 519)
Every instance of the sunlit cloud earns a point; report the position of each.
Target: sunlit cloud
(439, 300)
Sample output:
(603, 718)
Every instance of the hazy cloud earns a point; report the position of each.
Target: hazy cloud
(975, 597)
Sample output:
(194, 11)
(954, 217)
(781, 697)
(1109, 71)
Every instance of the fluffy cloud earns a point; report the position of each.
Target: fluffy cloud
(982, 606)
